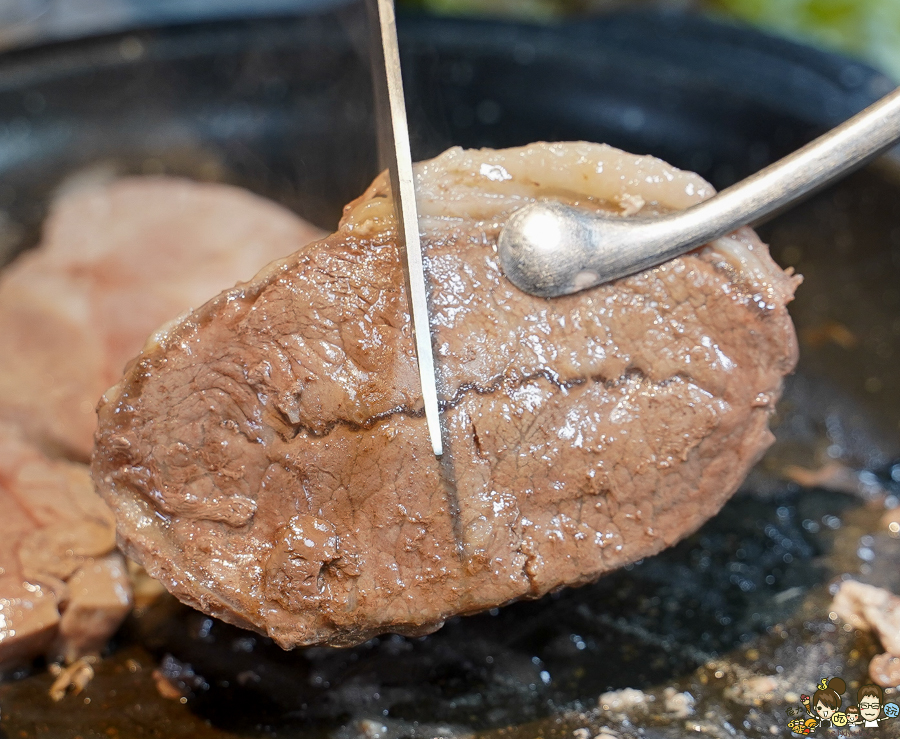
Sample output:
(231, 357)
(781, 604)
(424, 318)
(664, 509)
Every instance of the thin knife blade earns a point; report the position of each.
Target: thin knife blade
(394, 153)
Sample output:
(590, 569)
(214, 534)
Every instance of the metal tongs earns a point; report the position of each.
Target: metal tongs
(394, 155)
(549, 249)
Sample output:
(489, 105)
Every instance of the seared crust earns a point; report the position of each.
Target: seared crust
(268, 460)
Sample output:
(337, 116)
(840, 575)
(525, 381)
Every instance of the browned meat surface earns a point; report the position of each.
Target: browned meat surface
(116, 261)
(268, 460)
(56, 552)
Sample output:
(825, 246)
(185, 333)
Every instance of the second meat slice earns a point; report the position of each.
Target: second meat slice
(267, 456)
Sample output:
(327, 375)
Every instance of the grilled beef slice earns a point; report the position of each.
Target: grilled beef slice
(267, 456)
(116, 260)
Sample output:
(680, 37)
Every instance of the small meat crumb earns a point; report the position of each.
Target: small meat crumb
(167, 687)
(753, 691)
(176, 680)
(836, 477)
(868, 608)
(74, 677)
(372, 729)
(584, 733)
(884, 669)
(624, 701)
(678, 705)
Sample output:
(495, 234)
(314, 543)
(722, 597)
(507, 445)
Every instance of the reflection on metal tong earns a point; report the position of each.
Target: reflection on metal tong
(393, 151)
(550, 249)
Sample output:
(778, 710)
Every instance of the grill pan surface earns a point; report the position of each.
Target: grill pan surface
(282, 106)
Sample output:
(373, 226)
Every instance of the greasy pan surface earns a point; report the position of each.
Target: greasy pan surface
(283, 107)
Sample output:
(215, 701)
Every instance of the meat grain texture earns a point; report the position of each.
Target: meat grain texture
(267, 456)
(116, 261)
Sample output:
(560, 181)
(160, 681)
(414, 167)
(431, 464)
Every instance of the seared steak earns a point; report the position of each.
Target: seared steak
(116, 261)
(267, 456)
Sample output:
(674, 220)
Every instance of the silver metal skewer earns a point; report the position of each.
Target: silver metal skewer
(550, 249)
(393, 146)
